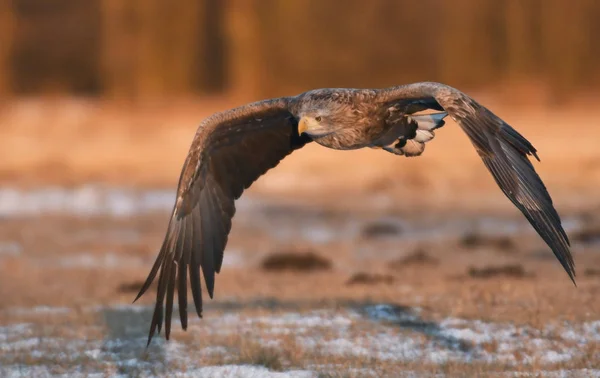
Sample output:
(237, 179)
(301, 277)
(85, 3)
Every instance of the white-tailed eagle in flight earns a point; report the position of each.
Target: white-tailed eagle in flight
(234, 148)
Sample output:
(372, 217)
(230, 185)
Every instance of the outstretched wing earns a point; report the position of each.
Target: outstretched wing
(503, 151)
(229, 152)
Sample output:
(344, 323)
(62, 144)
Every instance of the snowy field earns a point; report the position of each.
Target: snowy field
(378, 333)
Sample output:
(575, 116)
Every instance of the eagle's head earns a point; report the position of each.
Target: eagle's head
(322, 113)
(316, 124)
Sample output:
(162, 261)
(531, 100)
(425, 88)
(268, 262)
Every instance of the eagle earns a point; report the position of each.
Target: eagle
(232, 149)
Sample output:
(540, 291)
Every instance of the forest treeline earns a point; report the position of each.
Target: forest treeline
(138, 49)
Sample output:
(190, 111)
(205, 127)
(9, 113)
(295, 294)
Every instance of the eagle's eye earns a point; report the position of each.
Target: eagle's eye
(318, 118)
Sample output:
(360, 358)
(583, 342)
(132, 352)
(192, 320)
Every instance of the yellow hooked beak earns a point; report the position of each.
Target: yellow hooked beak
(302, 126)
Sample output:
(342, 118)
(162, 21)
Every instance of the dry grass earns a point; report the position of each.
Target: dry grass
(513, 271)
(416, 259)
(475, 240)
(380, 229)
(364, 278)
(295, 261)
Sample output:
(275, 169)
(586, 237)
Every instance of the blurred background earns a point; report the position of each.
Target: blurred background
(79, 77)
(100, 100)
(153, 49)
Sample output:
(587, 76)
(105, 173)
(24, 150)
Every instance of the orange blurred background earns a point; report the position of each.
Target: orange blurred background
(137, 50)
(112, 90)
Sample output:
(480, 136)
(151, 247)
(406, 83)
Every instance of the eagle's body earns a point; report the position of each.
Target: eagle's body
(232, 149)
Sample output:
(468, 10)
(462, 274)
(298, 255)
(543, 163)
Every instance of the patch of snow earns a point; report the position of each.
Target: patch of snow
(213, 350)
(122, 307)
(554, 357)
(386, 312)
(39, 310)
(380, 332)
(318, 235)
(283, 324)
(562, 373)
(88, 261)
(20, 344)
(132, 362)
(233, 259)
(314, 319)
(85, 200)
(25, 371)
(338, 347)
(16, 328)
(390, 346)
(15, 331)
(592, 329)
(94, 353)
(571, 334)
(365, 372)
(10, 249)
(243, 371)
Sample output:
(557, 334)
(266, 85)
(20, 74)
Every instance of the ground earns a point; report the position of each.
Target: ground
(339, 263)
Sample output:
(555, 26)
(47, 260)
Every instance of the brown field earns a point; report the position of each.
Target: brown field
(424, 266)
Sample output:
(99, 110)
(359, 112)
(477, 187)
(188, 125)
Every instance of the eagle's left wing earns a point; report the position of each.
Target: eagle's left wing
(504, 152)
(229, 152)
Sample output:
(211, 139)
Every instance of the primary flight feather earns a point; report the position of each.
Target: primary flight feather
(234, 148)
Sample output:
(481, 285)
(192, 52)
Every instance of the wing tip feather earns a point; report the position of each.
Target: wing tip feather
(505, 152)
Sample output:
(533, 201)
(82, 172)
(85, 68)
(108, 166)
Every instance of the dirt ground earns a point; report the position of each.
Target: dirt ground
(422, 266)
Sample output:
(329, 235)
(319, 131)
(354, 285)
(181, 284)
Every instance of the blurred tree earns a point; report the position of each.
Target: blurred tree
(523, 53)
(56, 47)
(153, 26)
(566, 43)
(157, 49)
(6, 31)
(210, 53)
(141, 49)
(245, 69)
(118, 46)
(167, 47)
(307, 44)
(470, 43)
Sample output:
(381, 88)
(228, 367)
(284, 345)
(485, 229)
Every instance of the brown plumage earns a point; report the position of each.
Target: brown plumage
(233, 148)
